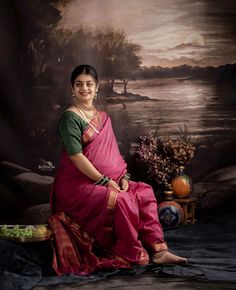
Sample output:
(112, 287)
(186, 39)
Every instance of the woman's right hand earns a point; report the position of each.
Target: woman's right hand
(112, 184)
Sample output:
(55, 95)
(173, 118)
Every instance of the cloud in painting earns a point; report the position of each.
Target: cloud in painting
(170, 32)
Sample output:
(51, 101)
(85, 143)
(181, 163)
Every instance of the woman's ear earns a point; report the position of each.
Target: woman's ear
(97, 87)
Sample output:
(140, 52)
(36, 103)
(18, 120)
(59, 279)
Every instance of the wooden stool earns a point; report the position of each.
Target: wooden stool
(188, 204)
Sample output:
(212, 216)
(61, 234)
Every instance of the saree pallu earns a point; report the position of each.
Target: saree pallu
(86, 217)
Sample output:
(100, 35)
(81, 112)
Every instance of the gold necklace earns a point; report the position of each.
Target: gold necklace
(88, 120)
(88, 115)
(85, 108)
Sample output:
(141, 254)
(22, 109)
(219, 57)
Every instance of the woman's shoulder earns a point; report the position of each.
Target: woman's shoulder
(70, 115)
(70, 111)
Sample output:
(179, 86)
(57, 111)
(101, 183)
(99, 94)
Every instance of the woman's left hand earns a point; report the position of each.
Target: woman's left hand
(124, 184)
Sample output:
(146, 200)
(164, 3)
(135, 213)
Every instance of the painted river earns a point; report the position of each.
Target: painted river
(207, 109)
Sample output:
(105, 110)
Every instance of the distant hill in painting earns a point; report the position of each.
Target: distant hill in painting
(223, 73)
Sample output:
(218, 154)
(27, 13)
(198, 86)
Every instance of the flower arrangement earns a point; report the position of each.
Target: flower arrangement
(163, 156)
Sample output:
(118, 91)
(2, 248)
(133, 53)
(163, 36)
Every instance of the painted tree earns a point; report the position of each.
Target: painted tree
(118, 57)
(108, 46)
(68, 49)
(128, 63)
(109, 51)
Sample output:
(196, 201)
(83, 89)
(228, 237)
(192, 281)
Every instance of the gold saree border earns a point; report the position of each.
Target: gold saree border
(144, 257)
(112, 200)
(109, 218)
(64, 242)
(122, 260)
(89, 132)
(111, 203)
(157, 247)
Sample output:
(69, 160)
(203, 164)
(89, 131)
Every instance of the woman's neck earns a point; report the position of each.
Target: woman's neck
(85, 106)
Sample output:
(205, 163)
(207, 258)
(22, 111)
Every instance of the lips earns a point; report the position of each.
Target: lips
(84, 94)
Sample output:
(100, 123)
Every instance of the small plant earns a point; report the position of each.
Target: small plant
(162, 156)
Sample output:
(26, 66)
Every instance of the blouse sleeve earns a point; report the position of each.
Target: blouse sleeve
(70, 129)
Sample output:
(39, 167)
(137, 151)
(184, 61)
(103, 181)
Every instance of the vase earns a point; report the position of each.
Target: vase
(181, 184)
(168, 195)
(170, 213)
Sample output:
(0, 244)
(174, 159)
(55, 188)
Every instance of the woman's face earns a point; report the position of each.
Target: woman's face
(84, 88)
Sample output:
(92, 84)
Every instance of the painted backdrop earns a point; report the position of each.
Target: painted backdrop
(163, 64)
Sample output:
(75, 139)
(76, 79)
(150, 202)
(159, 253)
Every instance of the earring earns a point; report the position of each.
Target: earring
(73, 94)
(96, 95)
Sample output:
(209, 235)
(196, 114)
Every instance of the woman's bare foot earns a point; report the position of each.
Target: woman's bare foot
(165, 257)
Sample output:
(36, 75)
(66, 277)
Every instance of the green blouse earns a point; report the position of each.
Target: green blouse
(71, 127)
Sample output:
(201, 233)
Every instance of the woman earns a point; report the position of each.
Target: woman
(100, 218)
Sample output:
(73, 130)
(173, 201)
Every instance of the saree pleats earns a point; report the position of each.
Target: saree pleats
(73, 249)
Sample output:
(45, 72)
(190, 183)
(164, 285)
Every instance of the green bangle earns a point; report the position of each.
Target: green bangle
(99, 180)
(127, 176)
(105, 180)
(102, 181)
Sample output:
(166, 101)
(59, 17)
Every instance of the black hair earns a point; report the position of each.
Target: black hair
(83, 69)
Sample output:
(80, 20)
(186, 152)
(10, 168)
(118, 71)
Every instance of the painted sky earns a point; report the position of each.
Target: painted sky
(170, 32)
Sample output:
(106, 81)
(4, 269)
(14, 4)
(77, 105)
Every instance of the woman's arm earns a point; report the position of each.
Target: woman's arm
(88, 169)
(85, 166)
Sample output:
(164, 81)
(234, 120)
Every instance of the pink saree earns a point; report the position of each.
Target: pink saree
(94, 226)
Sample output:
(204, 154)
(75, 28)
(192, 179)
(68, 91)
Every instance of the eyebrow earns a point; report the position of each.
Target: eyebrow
(83, 82)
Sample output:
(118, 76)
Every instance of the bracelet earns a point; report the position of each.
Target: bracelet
(99, 180)
(102, 181)
(127, 176)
